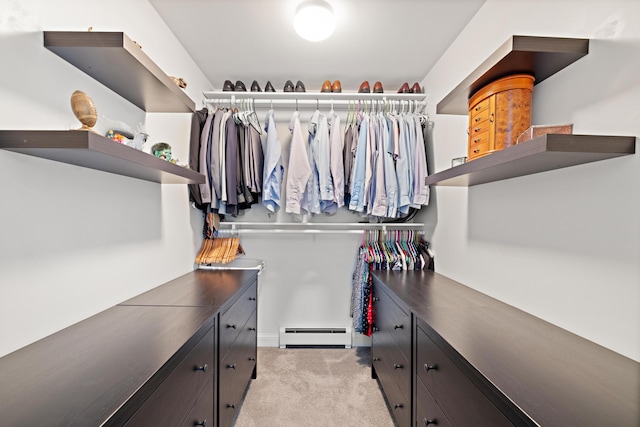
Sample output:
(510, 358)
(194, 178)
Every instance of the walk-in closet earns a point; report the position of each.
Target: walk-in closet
(396, 213)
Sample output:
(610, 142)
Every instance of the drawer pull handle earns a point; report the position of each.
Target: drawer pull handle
(252, 359)
(376, 359)
(430, 367)
(396, 366)
(252, 298)
(477, 140)
(398, 405)
(433, 421)
(375, 329)
(202, 368)
(397, 327)
(251, 328)
(231, 366)
(231, 405)
(231, 326)
(491, 118)
(478, 107)
(477, 119)
(477, 150)
(202, 423)
(477, 129)
(375, 299)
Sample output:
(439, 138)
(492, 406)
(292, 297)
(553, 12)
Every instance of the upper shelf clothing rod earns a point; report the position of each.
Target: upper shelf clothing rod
(314, 96)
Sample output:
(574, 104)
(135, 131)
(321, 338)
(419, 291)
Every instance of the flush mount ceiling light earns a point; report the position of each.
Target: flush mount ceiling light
(314, 20)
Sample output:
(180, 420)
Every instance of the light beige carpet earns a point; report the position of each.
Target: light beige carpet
(314, 387)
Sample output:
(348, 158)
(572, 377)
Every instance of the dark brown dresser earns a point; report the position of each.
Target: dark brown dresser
(476, 361)
(160, 358)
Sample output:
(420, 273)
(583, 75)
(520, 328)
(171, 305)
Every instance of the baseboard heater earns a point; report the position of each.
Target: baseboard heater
(315, 337)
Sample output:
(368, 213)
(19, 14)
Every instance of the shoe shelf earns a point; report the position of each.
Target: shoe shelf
(541, 57)
(311, 98)
(544, 153)
(90, 150)
(119, 63)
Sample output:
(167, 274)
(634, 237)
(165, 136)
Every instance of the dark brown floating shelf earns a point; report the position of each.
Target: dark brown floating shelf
(90, 150)
(539, 56)
(116, 61)
(544, 153)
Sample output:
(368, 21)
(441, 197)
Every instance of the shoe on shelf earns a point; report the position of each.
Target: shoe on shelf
(326, 86)
(404, 88)
(300, 87)
(416, 88)
(227, 86)
(240, 87)
(377, 88)
(255, 87)
(269, 87)
(336, 86)
(288, 86)
(364, 87)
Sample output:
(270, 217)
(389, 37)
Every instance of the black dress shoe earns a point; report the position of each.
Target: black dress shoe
(269, 87)
(300, 87)
(227, 86)
(240, 87)
(255, 87)
(288, 86)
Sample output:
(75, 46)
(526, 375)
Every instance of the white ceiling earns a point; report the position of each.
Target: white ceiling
(391, 41)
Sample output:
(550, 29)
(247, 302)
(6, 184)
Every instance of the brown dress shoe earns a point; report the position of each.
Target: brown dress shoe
(326, 86)
(364, 87)
(404, 88)
(416, 88)
(300, 87)
(377, 88)
(336, 86)
(288, 86)
(269, 87)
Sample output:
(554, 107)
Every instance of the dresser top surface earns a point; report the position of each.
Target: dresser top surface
(556, 377)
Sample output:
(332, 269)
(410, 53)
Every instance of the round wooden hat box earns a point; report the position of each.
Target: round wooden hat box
(498, 113)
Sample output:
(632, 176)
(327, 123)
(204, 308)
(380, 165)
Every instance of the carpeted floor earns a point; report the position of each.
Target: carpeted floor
(314, 387)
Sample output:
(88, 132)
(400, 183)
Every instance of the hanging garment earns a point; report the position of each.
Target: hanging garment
(205, 193)
(299, 168)
(273, 171)
(336, 159)
(311, 198)
(357, 201)
(197, 123)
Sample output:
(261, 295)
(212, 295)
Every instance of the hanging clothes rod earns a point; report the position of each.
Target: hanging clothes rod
(315, 99)
(315, 228)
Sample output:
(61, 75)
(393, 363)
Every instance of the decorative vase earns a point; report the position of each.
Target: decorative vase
(84, 109)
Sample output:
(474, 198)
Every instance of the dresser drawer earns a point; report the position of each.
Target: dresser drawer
(459, 398)
(399, 404)
(392, 360)
(233, 319)
(392, 319)
(171, 402)
(202, 413)
(479, 107)
(236, 371)
(428, 413)
(479, 117)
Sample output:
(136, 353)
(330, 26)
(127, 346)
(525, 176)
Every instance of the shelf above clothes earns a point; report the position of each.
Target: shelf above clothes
(314, 99)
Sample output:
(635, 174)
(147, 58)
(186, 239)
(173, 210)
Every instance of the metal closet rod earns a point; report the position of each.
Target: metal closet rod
(315, 228)
(308, 103)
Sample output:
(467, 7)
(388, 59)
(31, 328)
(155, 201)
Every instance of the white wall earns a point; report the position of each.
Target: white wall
(75, 241)
(562, 245)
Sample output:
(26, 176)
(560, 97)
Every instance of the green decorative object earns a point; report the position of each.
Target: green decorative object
(162, 150)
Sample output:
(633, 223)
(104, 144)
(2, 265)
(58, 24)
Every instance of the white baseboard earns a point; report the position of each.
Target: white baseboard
(273, 340)
(268, 340)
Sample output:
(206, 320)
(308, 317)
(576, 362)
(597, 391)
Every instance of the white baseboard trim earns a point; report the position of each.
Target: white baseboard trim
(273, 340)
(268, 340)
